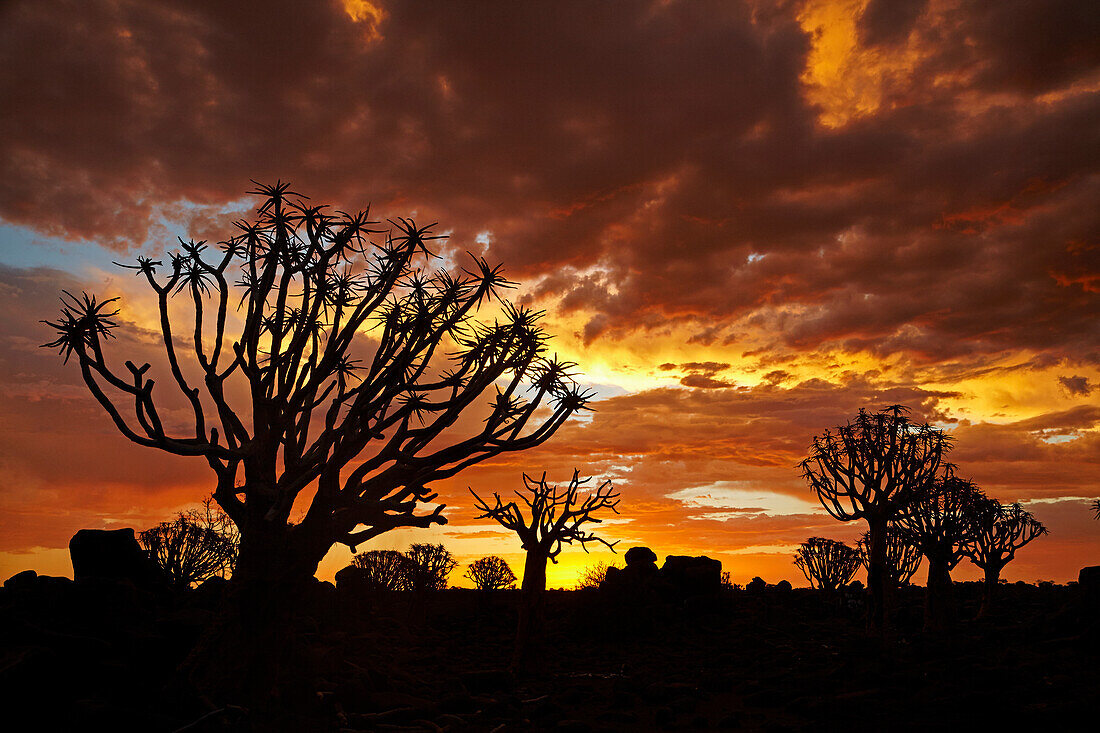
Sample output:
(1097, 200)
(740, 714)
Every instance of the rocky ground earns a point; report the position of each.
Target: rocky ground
(104, 655)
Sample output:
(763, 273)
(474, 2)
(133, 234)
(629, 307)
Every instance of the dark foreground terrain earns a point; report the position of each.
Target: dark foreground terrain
(105, 656)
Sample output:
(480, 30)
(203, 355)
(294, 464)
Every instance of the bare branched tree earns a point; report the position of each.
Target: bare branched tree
(999, 531)
(428, 567)
(382, 570)
(491, 573)
(557, 516)
(902, 558)
(942, 520)
(354, 363)
(870, 469)
(826, 563)
(189, 550)
(593, 576)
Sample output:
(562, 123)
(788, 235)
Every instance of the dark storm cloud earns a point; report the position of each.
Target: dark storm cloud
(645, 162)
(1076, 385)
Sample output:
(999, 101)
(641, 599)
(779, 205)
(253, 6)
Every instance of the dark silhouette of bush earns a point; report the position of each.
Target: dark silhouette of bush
(902, 558)
(428, 567)
(557, 517)
(999, 531)
(942, 520)
(870, 468)
(311, 290)
(382, 570)
(491, 573)
(593, 576)
(198, 545)
(826, 563)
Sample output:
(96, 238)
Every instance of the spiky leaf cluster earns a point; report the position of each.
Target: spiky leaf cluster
(491, 573)
(944, 518)
(998, 532)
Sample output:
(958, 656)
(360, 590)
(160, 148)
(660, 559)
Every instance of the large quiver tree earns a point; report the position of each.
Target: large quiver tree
(352, 364)
(942, 521)
(998, 532)
(870, 469)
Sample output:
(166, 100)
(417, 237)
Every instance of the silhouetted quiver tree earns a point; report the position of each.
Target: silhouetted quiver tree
(189, 552)
(941, 521)
(428, 567)
(870, 469)
(383, 570)
(902, 558)
(998, 532)
(826, 563)
(491, 573)
(557, 516)
(353, 361)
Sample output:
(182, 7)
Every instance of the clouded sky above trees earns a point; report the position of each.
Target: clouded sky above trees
(745, 220)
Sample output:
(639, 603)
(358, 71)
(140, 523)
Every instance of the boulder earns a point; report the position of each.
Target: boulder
(756, 585)
(692, 576)
(1088, 580)
(25, 579)
(640, 555)
(349, 579)
(113, 555)
(783, 585)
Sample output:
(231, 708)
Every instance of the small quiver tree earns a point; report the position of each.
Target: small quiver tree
(902, 558)
(999, 531)
(428, 567)
(870, 469)
(557, 517)
(826, 563)
(382, 570)
(200, 544)
(491, 573)
(593, 576)
(942, 521)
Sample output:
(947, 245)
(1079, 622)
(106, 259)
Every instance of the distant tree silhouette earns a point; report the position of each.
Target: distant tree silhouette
(593, 576)
(428, 567)
(198, 545)
(557, 517)
(826, 563)
(902, 558)
(942, 520)
(346, 351)
(870, 468)
(491, 573)
(998, 532)
(383, 570)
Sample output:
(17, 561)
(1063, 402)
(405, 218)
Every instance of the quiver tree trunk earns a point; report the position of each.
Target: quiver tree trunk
(533, 589)
(989, 591)
(877, 580)
(939, 611)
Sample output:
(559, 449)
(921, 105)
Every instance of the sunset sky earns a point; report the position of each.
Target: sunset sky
(744, 220)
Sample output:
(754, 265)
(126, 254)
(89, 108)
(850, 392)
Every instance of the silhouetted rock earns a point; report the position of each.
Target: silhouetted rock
(692, 576)
(349, 579)
(783, 585)
(1088, 580)
(636, 555)
(25, 579)
(112, 555)
(756, 585)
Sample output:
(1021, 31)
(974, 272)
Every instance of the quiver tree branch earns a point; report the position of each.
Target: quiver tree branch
(826, 563)
(354, 360)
